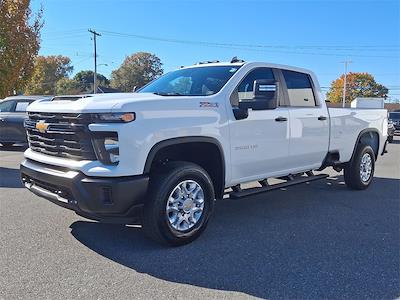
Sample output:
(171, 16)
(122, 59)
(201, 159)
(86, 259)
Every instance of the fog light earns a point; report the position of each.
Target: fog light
(106, 146)
(112, 147)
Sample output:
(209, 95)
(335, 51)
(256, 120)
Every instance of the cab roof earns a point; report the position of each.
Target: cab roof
(250, 64)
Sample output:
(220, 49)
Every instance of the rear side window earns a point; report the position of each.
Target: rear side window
(21, 106)
(6, 106)
(299, 88)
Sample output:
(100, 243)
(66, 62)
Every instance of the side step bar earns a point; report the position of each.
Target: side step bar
(257, 190)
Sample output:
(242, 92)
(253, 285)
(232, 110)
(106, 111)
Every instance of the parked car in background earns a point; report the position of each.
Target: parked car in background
(12, 116)
(394, 118)
(393, 125)
(391, 131)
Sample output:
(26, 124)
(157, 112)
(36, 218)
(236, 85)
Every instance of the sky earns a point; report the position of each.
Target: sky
(317, 35)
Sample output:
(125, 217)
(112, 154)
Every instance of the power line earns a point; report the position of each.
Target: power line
(247, 45)
(254, 47)
(82, 54)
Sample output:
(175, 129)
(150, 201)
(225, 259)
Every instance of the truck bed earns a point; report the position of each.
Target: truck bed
(347, 123)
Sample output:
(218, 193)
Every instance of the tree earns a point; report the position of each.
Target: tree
(85, 80)
(19, 44)
(358, 85)
(82, 83)
(137, 70)
(47, 71)
(66, 86)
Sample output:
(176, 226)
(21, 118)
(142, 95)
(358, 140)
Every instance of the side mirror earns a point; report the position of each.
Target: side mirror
(265, 96)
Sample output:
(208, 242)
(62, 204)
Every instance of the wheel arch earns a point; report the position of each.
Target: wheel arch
(369, 136)
(213, 161)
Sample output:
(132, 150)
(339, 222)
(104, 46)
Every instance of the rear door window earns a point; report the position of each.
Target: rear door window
(299, 89)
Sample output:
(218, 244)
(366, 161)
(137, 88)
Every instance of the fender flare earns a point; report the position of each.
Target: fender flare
(184, 140)
(364, 131)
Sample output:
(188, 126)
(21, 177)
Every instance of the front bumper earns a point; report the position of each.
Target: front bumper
(108, 199)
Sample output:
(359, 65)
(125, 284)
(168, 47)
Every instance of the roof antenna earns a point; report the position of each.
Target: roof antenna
(236, 60)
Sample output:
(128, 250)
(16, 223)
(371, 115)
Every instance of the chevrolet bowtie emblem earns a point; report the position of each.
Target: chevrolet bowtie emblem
(42, 126)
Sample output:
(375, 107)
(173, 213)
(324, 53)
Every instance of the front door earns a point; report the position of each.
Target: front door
(15, 121)
(6, 107)
(260, 142)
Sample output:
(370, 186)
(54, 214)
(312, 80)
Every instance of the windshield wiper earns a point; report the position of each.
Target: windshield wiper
(168, 94)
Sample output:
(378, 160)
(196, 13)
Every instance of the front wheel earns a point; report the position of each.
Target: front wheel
(181, 199)
(360, 171)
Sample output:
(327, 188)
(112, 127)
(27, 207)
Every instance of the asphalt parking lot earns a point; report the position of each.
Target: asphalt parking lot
(317, 240)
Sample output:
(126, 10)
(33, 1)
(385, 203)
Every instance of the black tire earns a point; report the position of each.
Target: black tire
(352, 172)
(163, 181)
(7, 144)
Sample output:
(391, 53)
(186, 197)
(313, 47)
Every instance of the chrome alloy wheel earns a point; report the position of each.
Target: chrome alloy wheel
(366, 167)
(185, 205)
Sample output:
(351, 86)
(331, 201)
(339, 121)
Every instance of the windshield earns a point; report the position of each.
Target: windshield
(198, 81)
(394, 116)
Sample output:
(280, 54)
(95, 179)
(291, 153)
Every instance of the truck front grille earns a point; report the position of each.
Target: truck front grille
(66, 135)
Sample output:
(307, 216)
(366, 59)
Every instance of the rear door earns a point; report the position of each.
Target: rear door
(309, 122)
(6, 107)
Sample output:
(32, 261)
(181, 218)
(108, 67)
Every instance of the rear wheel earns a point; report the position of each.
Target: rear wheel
(360, 171)
(181, 199)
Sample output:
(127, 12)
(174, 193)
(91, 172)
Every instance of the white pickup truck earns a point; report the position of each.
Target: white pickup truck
(163, 155)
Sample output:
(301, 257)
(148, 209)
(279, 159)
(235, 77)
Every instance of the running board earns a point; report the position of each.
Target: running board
(257, 190)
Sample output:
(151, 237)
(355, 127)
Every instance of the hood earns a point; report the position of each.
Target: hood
(92, 103)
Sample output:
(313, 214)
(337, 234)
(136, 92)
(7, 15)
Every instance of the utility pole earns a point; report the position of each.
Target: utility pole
(95, 34)
(345, 80)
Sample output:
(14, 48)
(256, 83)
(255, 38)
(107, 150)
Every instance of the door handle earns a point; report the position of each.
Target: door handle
(322, 118)
(280, 119)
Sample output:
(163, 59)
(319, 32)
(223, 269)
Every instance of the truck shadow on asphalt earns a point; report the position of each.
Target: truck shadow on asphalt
(14, 148)
(318, 240)
(10, 178)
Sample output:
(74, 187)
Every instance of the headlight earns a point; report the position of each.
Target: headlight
(106, 146)
(113, 117)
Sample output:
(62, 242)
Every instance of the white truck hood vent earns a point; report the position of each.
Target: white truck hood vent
(70, 98)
